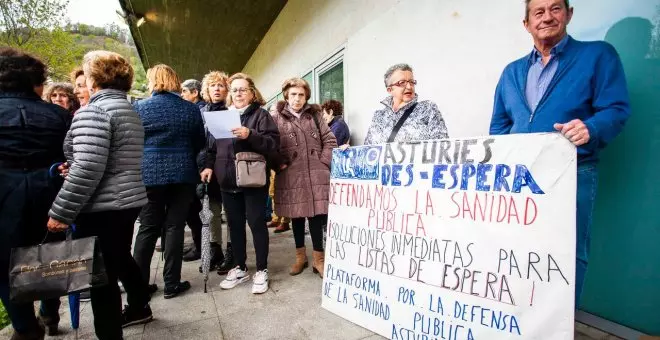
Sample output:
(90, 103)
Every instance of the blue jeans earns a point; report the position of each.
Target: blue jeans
(587, 184)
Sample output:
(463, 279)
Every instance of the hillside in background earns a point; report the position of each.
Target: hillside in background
(121, 44)
(63, 48)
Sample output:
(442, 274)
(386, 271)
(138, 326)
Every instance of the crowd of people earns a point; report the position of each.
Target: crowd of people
(83, 154)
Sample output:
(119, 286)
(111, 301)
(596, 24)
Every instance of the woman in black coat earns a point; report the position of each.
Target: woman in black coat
(31, 136)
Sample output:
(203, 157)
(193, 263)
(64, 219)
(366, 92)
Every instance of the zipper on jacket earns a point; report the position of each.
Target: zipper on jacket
(23, 115)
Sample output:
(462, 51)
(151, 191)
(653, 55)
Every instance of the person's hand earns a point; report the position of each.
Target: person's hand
(63, 169)
(241, 132)
(206, 175)
(56, 226)
(344, 147)
(575, 131)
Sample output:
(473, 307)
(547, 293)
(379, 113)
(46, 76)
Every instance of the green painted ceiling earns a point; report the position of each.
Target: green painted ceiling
(196, 36)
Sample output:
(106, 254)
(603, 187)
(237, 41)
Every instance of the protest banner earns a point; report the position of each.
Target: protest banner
(454, 239)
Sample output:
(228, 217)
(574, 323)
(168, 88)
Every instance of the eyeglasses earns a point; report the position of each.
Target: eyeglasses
(241, 90)
(402, 83)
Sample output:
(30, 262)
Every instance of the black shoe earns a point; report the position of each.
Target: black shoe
(192, 255)
(228, 264)
(180, 288)
(152, 289)
(217, 257)
(136, 316)
(33, 334)
(85, 296)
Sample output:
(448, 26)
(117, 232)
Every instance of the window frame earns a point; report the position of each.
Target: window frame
(335, 59)
(319, 68)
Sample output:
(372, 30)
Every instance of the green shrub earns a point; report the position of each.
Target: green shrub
(4, 318)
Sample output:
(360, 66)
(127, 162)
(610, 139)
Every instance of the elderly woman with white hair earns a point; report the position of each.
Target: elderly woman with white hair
(404, 118)
(191, 90)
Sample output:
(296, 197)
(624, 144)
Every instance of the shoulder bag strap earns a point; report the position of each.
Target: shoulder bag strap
(399, 124)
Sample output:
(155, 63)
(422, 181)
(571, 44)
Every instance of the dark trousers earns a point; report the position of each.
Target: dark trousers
(114, 230)
(25, 200)
(195, 223)
(250, 205)
(22, 314)
(165, 214)
(316, 225)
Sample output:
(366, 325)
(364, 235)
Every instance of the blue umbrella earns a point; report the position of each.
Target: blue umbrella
(74, 298)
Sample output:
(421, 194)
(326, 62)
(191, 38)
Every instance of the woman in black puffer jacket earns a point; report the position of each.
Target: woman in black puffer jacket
(31, 136)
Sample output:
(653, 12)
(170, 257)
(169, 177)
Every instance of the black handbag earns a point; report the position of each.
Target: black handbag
(55, 269)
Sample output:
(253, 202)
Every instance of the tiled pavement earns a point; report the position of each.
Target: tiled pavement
(291, 309)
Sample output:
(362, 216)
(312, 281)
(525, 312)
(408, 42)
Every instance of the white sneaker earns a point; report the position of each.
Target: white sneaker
(235, 277)
(260, 282)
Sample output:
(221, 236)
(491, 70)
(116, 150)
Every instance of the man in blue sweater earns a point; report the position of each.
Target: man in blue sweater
(574, 87)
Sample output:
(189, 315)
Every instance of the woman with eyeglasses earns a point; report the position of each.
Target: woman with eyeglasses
(257, 136)
(404, 118)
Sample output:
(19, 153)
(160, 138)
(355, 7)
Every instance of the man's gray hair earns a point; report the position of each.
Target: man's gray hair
(394, 68)
(193, 84)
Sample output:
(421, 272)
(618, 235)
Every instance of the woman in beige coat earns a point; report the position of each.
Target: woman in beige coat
(303, 181)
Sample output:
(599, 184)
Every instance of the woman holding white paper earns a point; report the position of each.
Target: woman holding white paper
(258, 138)
(214, 92)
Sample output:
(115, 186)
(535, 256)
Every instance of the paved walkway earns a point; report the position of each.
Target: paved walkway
(290, 310)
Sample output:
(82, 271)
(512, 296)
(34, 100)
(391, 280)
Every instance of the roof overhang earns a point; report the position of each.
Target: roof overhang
(194, 37)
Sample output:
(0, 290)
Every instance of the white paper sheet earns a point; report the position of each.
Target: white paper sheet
(220, 123)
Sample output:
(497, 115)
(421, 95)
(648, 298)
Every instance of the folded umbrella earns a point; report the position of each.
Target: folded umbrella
(205, 217)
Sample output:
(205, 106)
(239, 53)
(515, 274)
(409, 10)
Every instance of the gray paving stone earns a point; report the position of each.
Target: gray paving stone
(274, 322)
(240, 299)
(187, 308)
(198, 330)
(290, 310)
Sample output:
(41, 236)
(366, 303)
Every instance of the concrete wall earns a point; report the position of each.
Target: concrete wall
(458, 49)
(305, 32)
(457, 52)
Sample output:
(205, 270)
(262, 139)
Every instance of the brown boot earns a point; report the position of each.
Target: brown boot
(301, 261)
(282, 227)
(319, 262)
